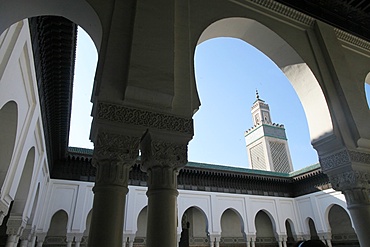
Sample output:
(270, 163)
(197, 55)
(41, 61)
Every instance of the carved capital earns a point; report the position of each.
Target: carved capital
(162, 160)
(15, 225)
(357, 196)
(138, 117)
(113, 157)
(349, 180)
(162, 153)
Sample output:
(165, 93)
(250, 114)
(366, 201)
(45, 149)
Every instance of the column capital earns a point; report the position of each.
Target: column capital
(162, 159)
(114, 154)
(157, 152)
(118, 147)
(349, 179)
(15, 225)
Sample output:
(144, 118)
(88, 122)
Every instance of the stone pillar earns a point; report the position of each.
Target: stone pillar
(32, 241)
(40, 239)
(131, 239)
(11, 241)
(14, 228)
(161, 159)
(114, 154)
(325, 237)
(349, 172)
(78, 237)
(24, 243)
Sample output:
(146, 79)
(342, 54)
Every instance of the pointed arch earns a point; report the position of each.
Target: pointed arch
(287, 59)
(311, 227)
(232, 226)
(78, 11)
(194, 225)
(58, 224)
(8, 133)
(141, 225)
(24, 186)
(265, 227)
(341, 227)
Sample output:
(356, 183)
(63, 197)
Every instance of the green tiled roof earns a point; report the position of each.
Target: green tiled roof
(222, 167)
(235, 169)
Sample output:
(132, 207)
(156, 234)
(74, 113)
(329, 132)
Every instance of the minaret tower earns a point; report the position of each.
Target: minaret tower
(267, 145)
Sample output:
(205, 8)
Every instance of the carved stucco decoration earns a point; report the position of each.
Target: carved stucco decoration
(15, 225)
(138, 117)
(343, 158)
(162, 160)
(113, 157)
(337, 159)
(349, 180)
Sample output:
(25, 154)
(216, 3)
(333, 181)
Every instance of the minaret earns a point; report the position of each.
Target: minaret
(267, 145)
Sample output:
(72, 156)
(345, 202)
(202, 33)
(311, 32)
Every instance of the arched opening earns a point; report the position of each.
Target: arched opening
(58, 229)
(8, 133)
(218, 80)
(194, 228)
(312, 228)
(140, 237)
(85, 66)
(87, 229)
(232, 229)
(265, 234)
(24, 185)
(78, 11)
(290, 232)
(367, 89)
(341, 228)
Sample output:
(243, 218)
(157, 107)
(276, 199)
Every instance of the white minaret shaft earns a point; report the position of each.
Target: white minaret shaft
(266, 142)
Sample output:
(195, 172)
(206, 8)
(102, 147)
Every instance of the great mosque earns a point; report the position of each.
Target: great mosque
(55, 195)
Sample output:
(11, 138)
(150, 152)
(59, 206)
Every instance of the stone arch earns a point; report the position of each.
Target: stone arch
(287, 59)
(34, 204)
(78, 11)
(265, 228)
(141, 226)
(311, 227)
(339, 222)
(88, 221)
(290, 231)
(58, 227)
(232, 227)
(367, 93)
(8, 133)
(194, 225)
(24, 186)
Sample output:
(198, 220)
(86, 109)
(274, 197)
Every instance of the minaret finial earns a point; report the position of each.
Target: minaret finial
(257, 95)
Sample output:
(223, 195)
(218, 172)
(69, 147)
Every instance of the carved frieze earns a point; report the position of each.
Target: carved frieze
(342, 158)
(337, 159)
(286, 11)
(139, 117)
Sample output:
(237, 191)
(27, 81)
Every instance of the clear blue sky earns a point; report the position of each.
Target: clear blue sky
(228, 71)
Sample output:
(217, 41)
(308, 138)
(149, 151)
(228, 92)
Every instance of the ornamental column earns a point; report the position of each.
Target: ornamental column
(162, 157)
(349, 172)
(114, 154)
